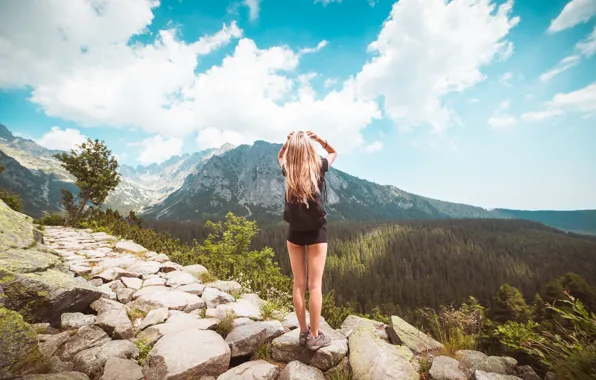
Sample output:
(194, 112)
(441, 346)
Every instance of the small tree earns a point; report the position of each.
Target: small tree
(95, 169)
(510, 305)
(12, 200)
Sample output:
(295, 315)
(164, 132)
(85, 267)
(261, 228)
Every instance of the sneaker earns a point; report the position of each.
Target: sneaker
(303, 337)
(321, 341)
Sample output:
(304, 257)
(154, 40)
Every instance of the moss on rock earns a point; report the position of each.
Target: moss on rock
(28, 260)
(19, 347)
(16, 229)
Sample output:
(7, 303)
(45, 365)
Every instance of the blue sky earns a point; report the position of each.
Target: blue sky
(490, 103)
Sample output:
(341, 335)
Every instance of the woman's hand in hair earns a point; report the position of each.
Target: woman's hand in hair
(290, 134)
(313, 136)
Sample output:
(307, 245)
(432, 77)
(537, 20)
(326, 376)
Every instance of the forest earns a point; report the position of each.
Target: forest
(400, 266)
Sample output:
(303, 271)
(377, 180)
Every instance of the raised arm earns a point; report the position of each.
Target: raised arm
(282, 151)
(331, 152)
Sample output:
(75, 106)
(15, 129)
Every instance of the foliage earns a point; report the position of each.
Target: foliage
(12, 200)
(458, 328)
(51, 219)
(144, 348)
(95, 170)
(226, 325)
(568, 351)
(134, 313)
(207, 277)
(509, 305)
(262, 352)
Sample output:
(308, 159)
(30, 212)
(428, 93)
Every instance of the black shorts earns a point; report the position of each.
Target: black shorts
(308, 237)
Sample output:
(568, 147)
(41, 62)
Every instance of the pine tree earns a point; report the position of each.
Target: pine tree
(538, 308)
(95, 169)
(510, 305)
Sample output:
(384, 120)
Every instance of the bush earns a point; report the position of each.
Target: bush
(226, 325)
(12, 200)
(53, 219)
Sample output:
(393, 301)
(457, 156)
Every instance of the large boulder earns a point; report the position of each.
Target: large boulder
(401, 332)
(471, 361)
(196, 270)
(187, 354)
(19, 345)
(244, 340)
(16, 229)
(353, 322)
(86, 337)
(286, 349)
(372, 358)
(446, 368)
(122, 369)
(70, 321)
(115, 323)
(299, 371)
(92, 361)
(252, 370)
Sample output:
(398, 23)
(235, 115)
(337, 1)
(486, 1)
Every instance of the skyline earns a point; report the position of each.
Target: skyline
(488, 103)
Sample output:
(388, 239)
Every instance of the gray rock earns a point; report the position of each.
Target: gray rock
(252, 370)
(469, 360)
(115, 285)
(17, 229)
(92, 361)
(290, 321)
(18, 341)
(245, 339)
(154, 317)
(177, 323)
(124, 295)
(372, 358)
(214, 297)
(122, 369)
(196, 270)
(115, 323)
(353, 322)
(526, 372)
(76, 320)
(179, 278)
(481, 375)
(70, 375)
(286, 349)
(112, 274)
(446, 368)
(221, 311)
(187, 354)
(102, 236)
(340, 371)
(161, 258)
(550, 376)
(273, 329)
(298, 371)
(226, 286)
(156, 281)
(194, 288)
(169, 266)
(86, 337)
(150, 290)
(44, 328)
(173, 299)
(249, 308)
(401, 332)
(58, 366)
(103, 304)
(145, 267)
(132, 283)
(49, 344)
(130, 246)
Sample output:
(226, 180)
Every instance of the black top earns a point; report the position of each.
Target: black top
(302, 217)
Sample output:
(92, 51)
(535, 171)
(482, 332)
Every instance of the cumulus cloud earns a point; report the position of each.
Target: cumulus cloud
(317, 48)
(575, 12)
(156, 149)
(428, 49)
(61, 139)
(500, 119)
(580, 102)
(254, 7)
(583, 49)
(374, 147)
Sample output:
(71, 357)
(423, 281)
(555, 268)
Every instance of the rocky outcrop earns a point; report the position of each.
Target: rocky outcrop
(19, 346)
(401, 332)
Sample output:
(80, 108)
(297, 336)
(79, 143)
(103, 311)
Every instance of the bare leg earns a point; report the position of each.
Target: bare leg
(297, 261)
(317, 253)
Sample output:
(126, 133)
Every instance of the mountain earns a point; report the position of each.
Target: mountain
(245, 180)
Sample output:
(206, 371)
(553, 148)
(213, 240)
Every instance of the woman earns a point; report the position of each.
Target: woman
(304, 171)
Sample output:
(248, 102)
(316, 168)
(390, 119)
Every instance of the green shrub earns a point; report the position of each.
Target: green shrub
(262, 352)
(12, 200)
(226, 325)
(207, 277)
(52, 219)
(144, 348)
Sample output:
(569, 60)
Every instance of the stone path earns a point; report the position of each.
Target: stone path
(134, 314)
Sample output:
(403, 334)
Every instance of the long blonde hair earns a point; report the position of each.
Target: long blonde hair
(303, 169)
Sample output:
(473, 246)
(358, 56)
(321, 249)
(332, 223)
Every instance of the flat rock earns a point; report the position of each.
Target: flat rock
(116, 273)
(214, 297)
(173, 299)
(69, 375)
(298, 371)
(76, 320)
(49, 343)
(17, 229)
(372, 358)
(92, 361)
(161, 258)
(122, 369)
(178, 278)
(525, 372)
(446, 368)
(481, 375)
(124, 295)
(187, 354)
(145, 267)
(115, 323)
(245, 339)
(194, 288)
(102, 236)
(353, 322)
(130, 246)
(252, 370)
(149, 290)
(471, 361)
(226, 286)
(86, 337)
(154, 317)
(248, 309)
(132, 283)
(177, 323)
(104, 304)
(155, 281)
(196, 270)
(286, 349)
(81, 270)
(401, 332)
(290, 321)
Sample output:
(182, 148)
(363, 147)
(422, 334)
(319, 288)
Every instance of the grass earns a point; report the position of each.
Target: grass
(236, 294)
(263, 352)
(144, 349)
(202, 313)
(207, 277)
(135, 313)
(268, 310)
(425, 364)
(455, 339)
(226, 325)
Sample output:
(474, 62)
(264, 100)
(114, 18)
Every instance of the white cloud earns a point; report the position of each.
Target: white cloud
(374, 147)
(500, 119)
(428, 49)
(575, 12)
(319, 46)
(156, 149)
(565, 64)
(62, 139)
(587, 47)
(330, 82)
(505, 79)
(325, 2)
(254, 7)
(581, 102)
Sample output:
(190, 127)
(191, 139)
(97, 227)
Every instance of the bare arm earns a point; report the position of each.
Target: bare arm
(331, 152)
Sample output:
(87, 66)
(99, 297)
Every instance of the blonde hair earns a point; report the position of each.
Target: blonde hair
(303, 169)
